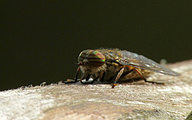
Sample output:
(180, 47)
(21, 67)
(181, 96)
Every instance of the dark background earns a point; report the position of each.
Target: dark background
(40, 40)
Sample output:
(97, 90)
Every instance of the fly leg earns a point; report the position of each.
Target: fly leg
(124, 74)
(100, 76)
(87, 78)
(90, 82)
(117, 77)
(76, 75)
(146, 79)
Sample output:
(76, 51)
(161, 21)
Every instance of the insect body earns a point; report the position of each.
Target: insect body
(114, 65)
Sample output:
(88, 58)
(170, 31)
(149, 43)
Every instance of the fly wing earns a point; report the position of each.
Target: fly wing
(139, 61)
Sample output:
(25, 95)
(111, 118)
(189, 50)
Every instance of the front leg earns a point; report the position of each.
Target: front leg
(100, 77)
(76, 76)
(71, 81)
(87, 80)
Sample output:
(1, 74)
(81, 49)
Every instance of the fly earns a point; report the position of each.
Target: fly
(113, 65)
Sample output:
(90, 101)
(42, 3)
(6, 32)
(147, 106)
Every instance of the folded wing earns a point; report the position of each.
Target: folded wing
(139, 61)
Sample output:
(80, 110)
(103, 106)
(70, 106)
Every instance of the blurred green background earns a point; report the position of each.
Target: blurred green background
(40, 40)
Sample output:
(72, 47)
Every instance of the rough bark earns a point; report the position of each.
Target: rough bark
(128, 101)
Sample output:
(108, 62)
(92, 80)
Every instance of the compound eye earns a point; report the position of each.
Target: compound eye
(96, 59)
(83, 55)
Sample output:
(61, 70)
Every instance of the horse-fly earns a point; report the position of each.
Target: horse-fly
(113, 65)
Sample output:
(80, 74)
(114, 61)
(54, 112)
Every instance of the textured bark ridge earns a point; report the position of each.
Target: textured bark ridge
(138, 100)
